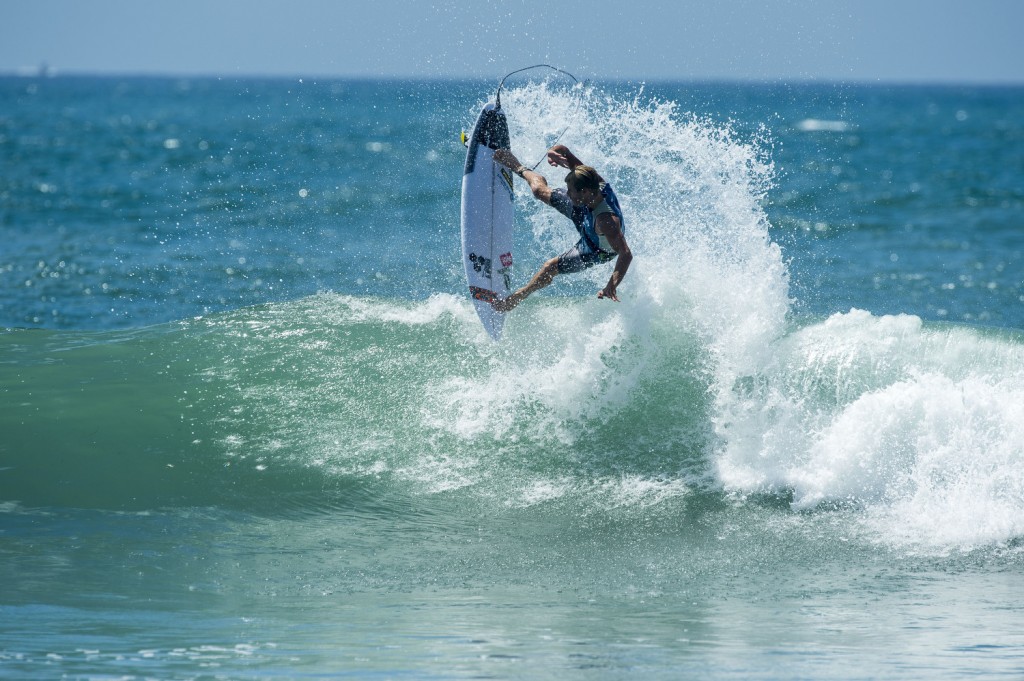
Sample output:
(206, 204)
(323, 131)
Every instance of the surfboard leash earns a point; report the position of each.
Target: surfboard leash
(497, 95)
(501, 84)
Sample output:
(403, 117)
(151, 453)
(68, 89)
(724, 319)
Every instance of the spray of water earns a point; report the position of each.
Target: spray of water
(700, 380)
(917, 430)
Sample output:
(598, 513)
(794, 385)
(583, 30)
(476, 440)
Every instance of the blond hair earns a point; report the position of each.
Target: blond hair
(583, 177)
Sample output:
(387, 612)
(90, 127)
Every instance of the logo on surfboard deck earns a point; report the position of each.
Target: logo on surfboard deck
(481, 264)
(506, 269)
(508, 180)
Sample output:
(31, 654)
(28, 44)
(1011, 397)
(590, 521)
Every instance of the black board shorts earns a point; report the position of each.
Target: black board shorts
(575, 261)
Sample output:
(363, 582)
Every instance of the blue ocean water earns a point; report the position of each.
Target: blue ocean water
(250, 426)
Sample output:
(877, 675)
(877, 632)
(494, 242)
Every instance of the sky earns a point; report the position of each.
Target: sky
(905, 41)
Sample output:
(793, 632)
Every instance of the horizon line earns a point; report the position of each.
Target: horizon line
(45, 71)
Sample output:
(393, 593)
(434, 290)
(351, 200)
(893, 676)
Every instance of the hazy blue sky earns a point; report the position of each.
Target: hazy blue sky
(859, 40)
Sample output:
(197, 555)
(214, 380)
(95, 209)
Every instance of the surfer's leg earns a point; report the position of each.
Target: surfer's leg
(539, 281)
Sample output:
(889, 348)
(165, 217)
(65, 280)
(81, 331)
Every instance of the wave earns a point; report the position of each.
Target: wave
(702, 385)
(336, 403)
(326, 396)
(920, 426)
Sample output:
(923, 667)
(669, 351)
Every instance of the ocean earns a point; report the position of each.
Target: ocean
(251, 427)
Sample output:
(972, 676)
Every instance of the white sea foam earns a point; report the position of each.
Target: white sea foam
(913, 427)
(816, 125)
(705, 274)
(917, 427)
(347, 309)
(704, 264)
(920, 428)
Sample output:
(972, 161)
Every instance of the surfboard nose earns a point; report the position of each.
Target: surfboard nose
(492, 131)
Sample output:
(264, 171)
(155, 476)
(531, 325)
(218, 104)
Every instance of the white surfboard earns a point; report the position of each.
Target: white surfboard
(487, 212)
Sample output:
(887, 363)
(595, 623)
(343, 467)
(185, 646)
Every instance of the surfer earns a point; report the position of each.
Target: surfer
(592, 206)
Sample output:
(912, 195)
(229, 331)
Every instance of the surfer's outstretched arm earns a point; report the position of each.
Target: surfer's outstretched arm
(538, 183)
